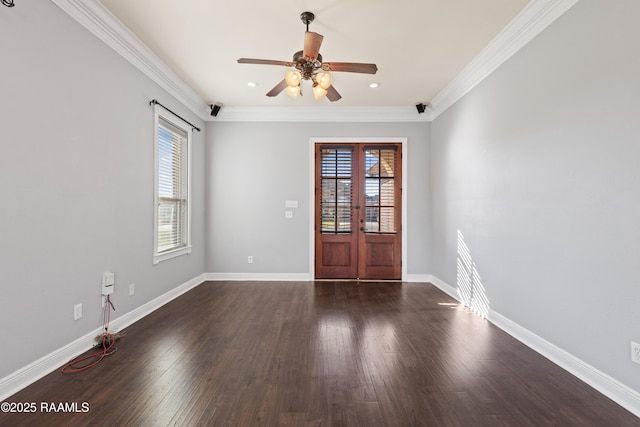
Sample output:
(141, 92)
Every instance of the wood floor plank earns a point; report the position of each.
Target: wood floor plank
(319, 354)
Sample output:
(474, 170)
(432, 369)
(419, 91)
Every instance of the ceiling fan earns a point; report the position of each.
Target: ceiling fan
(309, 66)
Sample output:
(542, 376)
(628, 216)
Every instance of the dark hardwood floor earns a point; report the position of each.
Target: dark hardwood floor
(319, 354)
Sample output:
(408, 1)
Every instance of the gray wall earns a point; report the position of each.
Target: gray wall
(254, 167)
(76, 182)
(537, 167)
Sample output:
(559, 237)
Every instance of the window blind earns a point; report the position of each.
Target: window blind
(172, 188)
(337, 190)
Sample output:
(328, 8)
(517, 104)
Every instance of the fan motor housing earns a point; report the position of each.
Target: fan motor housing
(306, 67)
(298, 58)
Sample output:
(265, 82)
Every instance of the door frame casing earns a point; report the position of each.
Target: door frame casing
(312, 200)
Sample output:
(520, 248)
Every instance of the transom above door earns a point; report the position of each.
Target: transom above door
(358, 211)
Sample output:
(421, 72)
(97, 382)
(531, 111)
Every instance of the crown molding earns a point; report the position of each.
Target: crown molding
(533, 19)
(320, 114)
(99, 21)
(530, 22)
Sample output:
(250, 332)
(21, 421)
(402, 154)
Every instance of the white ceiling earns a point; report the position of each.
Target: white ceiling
(419, 46)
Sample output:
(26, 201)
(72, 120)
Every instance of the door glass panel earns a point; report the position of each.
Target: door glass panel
(387, 162)
(336, 166)
(344, 219)
(372, 219)
(380, 164)
(387, 220)
(387, 192)
(328, 218)
(371, 163)
(372, 191)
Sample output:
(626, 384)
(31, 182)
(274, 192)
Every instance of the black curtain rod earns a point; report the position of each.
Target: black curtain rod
(154, 101)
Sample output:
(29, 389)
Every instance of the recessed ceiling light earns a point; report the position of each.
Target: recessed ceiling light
(374, 85)
(252, 84)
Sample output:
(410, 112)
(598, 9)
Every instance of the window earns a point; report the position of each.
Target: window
(172, 228)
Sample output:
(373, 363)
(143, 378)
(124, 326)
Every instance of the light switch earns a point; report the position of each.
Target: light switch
(288, 214)
(291, 204)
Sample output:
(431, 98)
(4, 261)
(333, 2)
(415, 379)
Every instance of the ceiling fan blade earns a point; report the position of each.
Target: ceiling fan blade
(264, 62)
(332, 94)
(312, 42)
(350, 67)
(278, 88)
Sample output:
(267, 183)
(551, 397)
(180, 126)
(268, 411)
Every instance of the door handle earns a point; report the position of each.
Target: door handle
(362, 229)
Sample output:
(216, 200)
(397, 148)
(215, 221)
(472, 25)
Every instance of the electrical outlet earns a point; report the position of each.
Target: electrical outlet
(77, 311)
(132, 289)
(108, 280)
(635, 352)
(249, 259)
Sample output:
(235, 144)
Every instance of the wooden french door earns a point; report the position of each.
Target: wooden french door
(358, 201)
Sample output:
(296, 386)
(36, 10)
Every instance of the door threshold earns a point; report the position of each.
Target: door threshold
(359, 280)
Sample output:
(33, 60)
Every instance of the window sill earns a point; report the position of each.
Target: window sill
(157, 258)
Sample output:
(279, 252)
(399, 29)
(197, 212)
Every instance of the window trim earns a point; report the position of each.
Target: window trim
(159, 112)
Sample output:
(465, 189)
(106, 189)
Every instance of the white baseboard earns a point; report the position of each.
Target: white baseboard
(445, 287)
(260, 277)
(417, 278)
(613, 389)
(140, 312)
(29, 374)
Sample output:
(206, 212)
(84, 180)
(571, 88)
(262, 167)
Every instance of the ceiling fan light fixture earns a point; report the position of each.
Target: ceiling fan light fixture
(319, 92)
(293, 78)
(323, 80)
(308, 63)
(292, 91)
